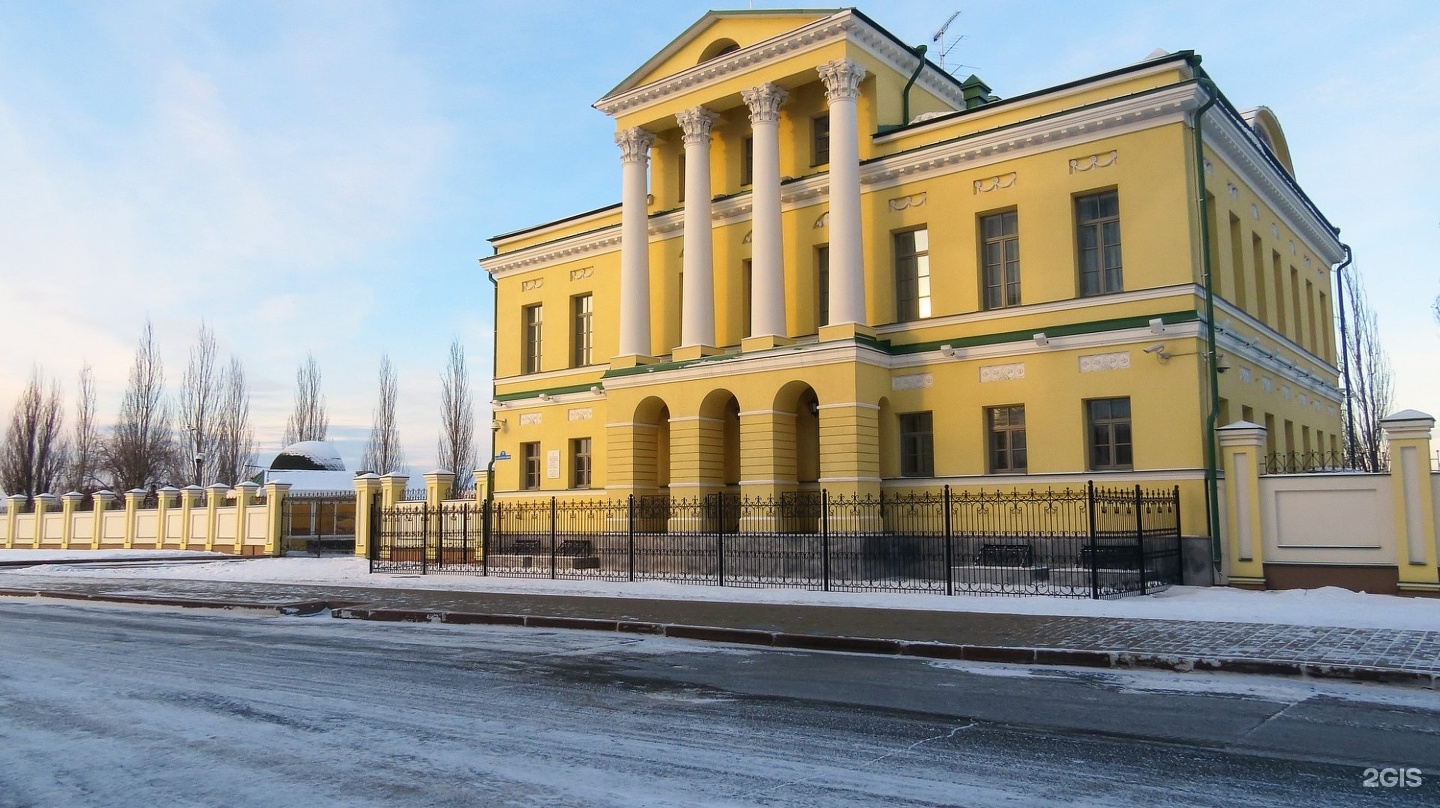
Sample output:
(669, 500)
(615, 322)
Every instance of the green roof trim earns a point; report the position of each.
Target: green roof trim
(553, 391)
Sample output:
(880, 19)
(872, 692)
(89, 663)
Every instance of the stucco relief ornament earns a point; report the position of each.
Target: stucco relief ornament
(1092, 363)
(1002, 373)
(995, 183)
(764, 102)
(823, 221)
(1094, 161)
(842, 79)
(915, 381)
(912, 201)
(696, 123)
(582, 273)
(530, 418)
(581, 414)
(526, 286)
(634, 144)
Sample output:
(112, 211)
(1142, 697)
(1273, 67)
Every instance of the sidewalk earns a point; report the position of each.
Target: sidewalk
(1385, 655)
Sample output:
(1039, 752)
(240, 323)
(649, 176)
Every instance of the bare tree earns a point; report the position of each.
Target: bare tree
(235, 440)
(141, 449)
(1372, 385)
(85, 447)
(32, 456)
(200, 408)
(309, 421)
(382, 453)
(457, 419)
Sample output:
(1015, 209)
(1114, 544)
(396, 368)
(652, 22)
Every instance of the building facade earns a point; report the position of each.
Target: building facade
(834, 265)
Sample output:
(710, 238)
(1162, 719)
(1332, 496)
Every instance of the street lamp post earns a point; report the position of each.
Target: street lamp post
(199, 458)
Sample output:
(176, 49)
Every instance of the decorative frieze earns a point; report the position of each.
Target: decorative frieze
(823, 220)
(529, 418)
(582, 273)
(912, 201)
(914, 381)
(1232, 190)
(989, 184)
(582, 413)
(1246, 375)
(1254, 211)
(1304, 400)
(1092, 363)
(1285, 391)
(1104, 160)
(530, 285)
(1266, 384)
(1002, 373)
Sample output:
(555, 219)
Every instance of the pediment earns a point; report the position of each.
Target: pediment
(716, 33)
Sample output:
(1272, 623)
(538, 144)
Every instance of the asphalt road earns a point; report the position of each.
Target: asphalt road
(122, 706)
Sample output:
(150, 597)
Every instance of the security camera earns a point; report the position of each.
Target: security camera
(1158, 347)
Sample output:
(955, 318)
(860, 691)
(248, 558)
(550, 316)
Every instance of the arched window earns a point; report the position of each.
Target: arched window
(718, 48)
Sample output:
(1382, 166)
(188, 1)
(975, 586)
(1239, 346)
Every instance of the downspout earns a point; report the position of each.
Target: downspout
(1345, 351)
(919, 52)
(1212, 483)
(494, 372)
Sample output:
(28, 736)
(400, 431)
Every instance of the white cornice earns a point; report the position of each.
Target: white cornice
(1244, 157)
(759, 362)
(1138, 295)
(818, 34)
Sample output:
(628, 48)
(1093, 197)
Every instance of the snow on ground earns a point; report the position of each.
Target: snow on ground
(1329, 606)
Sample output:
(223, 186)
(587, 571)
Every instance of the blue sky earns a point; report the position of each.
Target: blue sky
(311, 176)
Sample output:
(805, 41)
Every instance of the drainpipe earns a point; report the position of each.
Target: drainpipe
(1345, 351)
(1212, 484)
(494, 372)
(919, 52)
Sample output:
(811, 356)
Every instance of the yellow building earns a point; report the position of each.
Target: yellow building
(833, 265)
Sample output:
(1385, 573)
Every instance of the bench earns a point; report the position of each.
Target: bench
(1111, 557)
(1006, 555)
(525, 547)
(575, 547)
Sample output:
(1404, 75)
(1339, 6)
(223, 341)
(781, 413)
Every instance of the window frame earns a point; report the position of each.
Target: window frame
(1103, 273)
(1110, 423)
(747, 161)
(922, 309)
(822, 285)
(917, 443)
(1012, 238)
(582, 466)
(530, 456)
(820, 140)
(532, 337)
(582, 330)
(1009, 430)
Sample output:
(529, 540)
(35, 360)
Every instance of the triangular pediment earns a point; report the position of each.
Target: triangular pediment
(716, 33)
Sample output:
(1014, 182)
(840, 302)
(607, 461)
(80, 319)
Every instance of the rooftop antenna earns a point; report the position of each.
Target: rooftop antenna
(939, 39)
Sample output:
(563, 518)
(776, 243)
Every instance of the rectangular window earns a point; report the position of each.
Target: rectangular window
(580, 463)
(912, 275)
(1000, 259)
(1108, 420)
(747, 161)
(530, 466)
(1097, 231)
(533, 318)
(822, 285)
(1006, 426)
(746, 298)
(1257, 256)
(1281, 320)
(582, 323)
(820, 140)
(917, 445)
(1311, 327)
(1270, 436)
(680, 174)
(1247, 414)
(1237, 263)
(1297, 316)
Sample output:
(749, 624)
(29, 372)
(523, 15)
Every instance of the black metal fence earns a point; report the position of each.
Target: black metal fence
(1092, 542)
(1318, 462)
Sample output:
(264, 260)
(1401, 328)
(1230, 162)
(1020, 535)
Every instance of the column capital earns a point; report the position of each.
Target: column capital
(842, 79)
(634, 144)
(696, 122)
(764, 102)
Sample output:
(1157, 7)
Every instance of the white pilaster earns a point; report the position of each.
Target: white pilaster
(842, 79)
(697, 326)
(634, 242)
(767, 262)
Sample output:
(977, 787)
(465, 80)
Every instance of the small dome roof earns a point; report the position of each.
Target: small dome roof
(308, 455)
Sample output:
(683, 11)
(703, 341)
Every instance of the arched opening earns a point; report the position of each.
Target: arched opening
(651, 456)
(720, 456)
(802, 431)
(718, 48)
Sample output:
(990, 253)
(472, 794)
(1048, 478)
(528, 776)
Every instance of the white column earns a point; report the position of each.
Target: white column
(842, 79)
(634, 242)
(767, 258)
(697, 326)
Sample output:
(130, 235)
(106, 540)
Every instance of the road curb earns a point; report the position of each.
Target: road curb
(1077, 657)
(293, 608)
